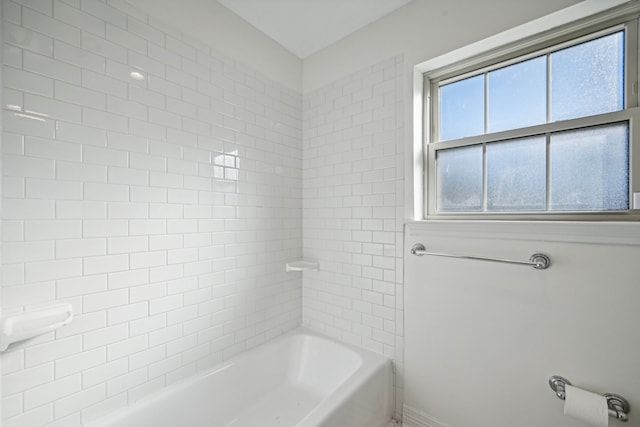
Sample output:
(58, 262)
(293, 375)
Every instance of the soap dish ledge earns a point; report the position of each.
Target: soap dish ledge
(301, 265)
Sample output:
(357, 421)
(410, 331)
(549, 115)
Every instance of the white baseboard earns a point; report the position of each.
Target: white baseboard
(412, 417)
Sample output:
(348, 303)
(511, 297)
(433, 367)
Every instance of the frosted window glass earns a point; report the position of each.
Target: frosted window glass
(462, 108)
(518, 95)
(587, 79)
(459, 179)
(590, 169)
(517, 175)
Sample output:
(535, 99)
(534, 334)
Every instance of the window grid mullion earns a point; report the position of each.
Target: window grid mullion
(485, 195)
(547, 190)
(549, 77)
(485, 191)
(547, 202)
(543, 129)
(486, 103)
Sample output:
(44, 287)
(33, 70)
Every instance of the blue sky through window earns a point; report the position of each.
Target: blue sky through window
(462, 108)
(517, 95)
(585, 79)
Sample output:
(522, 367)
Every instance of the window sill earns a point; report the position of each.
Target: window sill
(593, 232)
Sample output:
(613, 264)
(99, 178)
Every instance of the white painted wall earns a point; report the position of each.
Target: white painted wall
(482, 339)
(214, 24)
(421, 30)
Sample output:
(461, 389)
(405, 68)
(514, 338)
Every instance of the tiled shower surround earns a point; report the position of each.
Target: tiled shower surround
(353, 210)
(163, 206)
(158, 187)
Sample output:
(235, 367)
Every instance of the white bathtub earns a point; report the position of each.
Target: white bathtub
(301, 379)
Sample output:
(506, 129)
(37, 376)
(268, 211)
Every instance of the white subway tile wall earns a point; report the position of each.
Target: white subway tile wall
(353, 210)
(152, 183)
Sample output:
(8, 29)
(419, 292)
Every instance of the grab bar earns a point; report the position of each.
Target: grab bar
(538, 261)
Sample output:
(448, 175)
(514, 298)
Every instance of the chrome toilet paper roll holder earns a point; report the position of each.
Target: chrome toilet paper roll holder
(617, 405)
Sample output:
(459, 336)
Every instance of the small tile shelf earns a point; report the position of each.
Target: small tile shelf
(18, 328)
(301, 265)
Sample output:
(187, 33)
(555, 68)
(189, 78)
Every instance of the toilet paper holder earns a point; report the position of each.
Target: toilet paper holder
(618, 406)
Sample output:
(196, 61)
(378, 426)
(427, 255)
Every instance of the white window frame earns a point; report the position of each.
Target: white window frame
(515, 51)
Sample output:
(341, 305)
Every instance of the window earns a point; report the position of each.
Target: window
(546, 133)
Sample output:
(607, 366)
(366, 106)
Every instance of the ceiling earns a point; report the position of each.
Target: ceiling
(307, 26)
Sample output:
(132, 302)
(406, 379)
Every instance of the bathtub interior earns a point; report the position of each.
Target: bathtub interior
(321, 365)
(278, 384)
(313, 369)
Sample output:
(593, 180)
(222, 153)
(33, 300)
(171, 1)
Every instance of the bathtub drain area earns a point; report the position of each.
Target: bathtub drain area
(285, 406)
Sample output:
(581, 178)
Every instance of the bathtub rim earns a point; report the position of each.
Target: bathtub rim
(371, 363)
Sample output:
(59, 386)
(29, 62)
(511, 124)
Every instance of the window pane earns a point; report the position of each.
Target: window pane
(517, 175)
(518, 95)
(588, 79)
(459, 179)
(462, 108)
(590, 169)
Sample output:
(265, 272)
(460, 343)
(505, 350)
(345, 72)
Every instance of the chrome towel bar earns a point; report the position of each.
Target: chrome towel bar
(538, 261)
